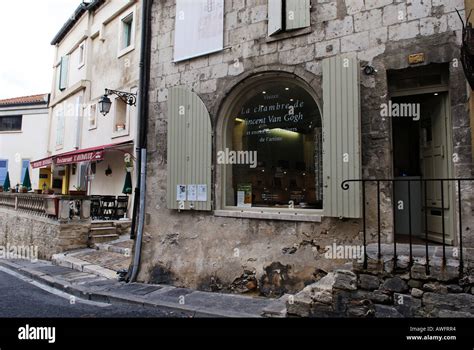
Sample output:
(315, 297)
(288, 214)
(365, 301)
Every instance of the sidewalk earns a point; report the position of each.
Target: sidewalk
(90, 286)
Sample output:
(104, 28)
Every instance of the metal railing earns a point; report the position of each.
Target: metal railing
(346, 185)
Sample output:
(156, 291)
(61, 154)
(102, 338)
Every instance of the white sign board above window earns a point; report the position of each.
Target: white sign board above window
(199, 28)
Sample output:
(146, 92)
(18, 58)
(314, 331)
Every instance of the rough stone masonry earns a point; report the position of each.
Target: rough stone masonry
(408, 290)
(197, 250)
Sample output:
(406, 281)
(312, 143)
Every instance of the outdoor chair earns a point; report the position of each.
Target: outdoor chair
(122, 207)
(95, 207)
(108, 207)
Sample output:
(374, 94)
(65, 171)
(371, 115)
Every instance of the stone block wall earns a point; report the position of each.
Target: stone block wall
(48, 236)
(379, 291)
(198, 249)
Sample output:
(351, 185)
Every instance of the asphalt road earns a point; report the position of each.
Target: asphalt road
(21, 299)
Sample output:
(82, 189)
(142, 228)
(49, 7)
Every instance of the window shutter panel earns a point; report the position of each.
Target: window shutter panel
(341, 130)
(189, 147)
(298, 14)
(63, 72)
(275, 16)
(60, 128)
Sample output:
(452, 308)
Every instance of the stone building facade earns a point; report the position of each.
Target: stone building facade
(271, 254)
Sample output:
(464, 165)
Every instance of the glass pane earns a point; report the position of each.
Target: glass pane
(275, 158)
(127, 31)
(11, 123)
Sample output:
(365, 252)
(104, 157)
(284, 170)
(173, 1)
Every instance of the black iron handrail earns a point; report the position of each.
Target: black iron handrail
(345, 186)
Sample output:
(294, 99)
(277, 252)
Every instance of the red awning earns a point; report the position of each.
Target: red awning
(78, 156)
(42, 163)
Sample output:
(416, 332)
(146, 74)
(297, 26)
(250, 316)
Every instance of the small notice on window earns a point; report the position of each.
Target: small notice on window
(202, 193)
(181, 193)
(192, 193)
(244, 195)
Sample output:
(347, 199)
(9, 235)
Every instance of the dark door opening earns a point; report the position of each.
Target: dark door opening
(419, 136)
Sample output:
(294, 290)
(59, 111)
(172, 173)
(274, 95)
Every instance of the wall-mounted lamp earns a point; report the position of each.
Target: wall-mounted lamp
(105, 103)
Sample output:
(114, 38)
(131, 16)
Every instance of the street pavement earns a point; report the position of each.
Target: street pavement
(19, 298)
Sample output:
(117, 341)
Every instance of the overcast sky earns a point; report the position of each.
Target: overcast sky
(26, 57)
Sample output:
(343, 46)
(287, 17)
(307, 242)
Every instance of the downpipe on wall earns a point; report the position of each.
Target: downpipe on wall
(141, 218)
(140, 191)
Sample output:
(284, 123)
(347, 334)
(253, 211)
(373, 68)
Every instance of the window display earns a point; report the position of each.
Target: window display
(279, 124)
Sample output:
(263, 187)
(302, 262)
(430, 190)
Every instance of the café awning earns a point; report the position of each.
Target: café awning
(78, 156)
(41, 163)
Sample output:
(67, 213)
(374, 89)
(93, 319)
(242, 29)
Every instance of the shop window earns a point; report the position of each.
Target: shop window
(287, 15)
(273, 153)
(11, 123)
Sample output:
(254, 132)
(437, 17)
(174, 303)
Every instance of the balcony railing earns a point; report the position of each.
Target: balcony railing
(59, 207)
(424, 183)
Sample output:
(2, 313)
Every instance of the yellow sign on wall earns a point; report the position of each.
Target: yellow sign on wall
(416, 58)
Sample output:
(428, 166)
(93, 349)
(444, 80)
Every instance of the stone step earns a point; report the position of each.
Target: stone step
(103, 223)
(277, 308)
(314, 298)
(123, 245)
(75, 261)
(103, 231)
(101, 238)
(102, 263)
(104, 228)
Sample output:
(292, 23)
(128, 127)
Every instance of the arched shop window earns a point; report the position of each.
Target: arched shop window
(273, 148)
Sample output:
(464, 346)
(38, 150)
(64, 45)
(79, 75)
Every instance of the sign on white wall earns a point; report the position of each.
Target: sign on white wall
(199, 28)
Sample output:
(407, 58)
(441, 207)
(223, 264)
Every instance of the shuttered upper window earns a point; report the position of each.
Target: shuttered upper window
(286, 15)
(63, 73)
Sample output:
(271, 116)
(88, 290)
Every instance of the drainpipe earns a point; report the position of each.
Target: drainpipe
(469, 6)
(140, 190)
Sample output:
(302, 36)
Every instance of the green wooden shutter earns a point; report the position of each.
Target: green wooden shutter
(275, 16)
(341, 130)
(63, 73)
(298, 14)
(189, 149)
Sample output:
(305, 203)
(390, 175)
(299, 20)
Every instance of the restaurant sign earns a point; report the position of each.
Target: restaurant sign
(80, 157)
(42, 163)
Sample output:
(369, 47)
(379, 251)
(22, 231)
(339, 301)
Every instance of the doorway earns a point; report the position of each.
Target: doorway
(421, 147)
